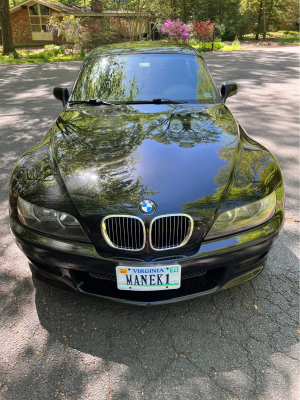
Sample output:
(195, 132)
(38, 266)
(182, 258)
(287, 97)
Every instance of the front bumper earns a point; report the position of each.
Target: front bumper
(217, 265)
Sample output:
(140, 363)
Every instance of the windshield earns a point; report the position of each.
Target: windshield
(144, 77)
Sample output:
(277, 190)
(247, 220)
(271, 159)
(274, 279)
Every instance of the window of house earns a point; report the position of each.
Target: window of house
(39, 16)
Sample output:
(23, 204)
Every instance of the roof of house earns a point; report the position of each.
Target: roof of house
(64, 8)
(71, 9)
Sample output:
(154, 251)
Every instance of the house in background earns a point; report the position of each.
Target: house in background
(29, 19)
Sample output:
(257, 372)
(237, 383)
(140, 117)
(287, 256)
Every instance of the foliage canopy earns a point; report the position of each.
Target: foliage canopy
(235, 17)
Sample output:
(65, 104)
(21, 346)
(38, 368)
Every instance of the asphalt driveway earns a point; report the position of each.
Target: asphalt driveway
(238, 344)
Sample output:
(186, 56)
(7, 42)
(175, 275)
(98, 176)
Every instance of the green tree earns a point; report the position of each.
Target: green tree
(5, 24)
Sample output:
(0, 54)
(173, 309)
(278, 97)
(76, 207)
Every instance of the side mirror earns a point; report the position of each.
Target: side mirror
(61, 93)
(228, 89)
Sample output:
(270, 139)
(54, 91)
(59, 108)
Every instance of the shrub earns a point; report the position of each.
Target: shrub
(106, 30)
(203, 47)
(98, 33)
(13, 56)
(24, 52)
(229, 34)
(120, 27)
(219, 30)
(50, 50)
(38, 55)
(193, 42)
(203, 30)
(82, 53)
(235, 46)
(67, 27)
(176, 30)
(218, 45)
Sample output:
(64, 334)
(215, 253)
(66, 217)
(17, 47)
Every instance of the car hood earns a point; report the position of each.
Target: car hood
(112, 158)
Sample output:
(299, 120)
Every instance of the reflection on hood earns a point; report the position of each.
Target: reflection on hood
(111, 158)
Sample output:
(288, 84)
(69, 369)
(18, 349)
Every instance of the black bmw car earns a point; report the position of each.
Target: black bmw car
(146, 189)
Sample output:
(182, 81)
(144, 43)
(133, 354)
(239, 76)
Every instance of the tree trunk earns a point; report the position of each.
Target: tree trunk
(259, 18)
(7, 41)
(265, 21)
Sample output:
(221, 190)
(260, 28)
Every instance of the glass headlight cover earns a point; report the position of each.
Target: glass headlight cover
(243, 218)
(51, 222)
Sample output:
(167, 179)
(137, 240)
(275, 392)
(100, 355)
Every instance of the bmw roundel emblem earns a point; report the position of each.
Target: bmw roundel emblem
(147, 207)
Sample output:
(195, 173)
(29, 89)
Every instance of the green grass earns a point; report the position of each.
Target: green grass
(279, 37)
(50, 53)
(284, 35)
(234, 46)
(218, 46)
(36, 60)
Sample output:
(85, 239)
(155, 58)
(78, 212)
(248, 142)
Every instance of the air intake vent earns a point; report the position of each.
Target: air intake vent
(105, 277)
(170, 258)
(170, 231)
(195, 275)
(124, 232)
(127, 259)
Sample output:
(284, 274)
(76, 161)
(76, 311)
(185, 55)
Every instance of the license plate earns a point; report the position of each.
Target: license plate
(149, 278)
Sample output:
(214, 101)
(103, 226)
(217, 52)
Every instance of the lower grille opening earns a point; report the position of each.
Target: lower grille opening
(113, 278)
(208, 280)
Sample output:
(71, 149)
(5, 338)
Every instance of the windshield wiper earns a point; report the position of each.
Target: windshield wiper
(92, 102)
(97, 102)
(155, 101)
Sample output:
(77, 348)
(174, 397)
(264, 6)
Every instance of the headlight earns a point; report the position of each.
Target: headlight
(243, 218)
(49, 221)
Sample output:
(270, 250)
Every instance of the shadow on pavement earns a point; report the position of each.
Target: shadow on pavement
(233, 343)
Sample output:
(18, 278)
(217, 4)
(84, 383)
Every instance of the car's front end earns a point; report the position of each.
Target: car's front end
(217, 265)
(147, 203)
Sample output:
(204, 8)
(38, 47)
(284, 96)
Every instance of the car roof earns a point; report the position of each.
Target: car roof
(144, 47)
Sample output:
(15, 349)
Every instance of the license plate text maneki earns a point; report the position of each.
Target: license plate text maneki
(160, 278)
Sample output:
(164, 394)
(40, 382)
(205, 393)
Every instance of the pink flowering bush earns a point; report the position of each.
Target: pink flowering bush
(176, 30)
(203, 30)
